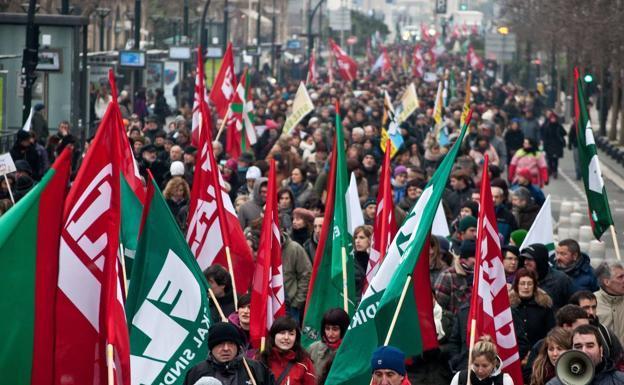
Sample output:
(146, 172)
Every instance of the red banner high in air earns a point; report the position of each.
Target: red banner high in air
(224, 85)
(267, 295)
(200, 94)
(489, 307)
(213, 225)
(346, 65)
(90, 303)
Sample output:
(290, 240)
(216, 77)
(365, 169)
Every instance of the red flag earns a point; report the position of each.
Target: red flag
(312, 75)
(473, 60)
(90, 303)
(213, 226)
(418, 68)
(225, 83)
(346, 65)
(489, 307)
(200, 93)
(385, 222)
(386, 66)
(233, 133)
(267, 295)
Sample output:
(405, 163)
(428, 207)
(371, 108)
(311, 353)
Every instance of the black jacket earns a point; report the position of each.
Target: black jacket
(553, 135)
(232, 373)
(536, 314)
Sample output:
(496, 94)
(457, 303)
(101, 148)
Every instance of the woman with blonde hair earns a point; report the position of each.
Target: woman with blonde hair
(557, 341)
(485, 366)
(177, 194)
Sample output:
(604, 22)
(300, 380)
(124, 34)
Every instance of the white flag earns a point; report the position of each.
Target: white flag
(354, 211)
(29, 120)
(440, 225)
(541, 230)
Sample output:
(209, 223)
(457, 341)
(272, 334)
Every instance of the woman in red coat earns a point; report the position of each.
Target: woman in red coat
(284, 355)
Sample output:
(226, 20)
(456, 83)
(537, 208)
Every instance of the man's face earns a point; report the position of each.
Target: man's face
(530, 265)
(318, 226)
(413, 192)
(387, 377)
(590, 306)
(371, 210)
(225, 351)
(470, 233)
(218, 290)
(457, 184)
(368, 161)
(263, 193)
(615, 284)
(189, 158)
(175, 153)
(475, 197)
(564, 257)
(588, 344)
(517, 202)
(497, 196)
(575, 324)
(149, 156)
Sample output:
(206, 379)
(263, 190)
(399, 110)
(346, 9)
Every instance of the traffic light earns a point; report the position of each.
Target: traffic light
(463, 5)
(588, 78)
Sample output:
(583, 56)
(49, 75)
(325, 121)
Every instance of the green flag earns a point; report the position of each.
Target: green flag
(414, 330)
(332, 274)
(597, 201)
(167, 308)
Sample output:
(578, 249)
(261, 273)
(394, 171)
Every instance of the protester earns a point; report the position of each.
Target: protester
(221, 285)
(575, 264)
(485, 367)
(554, 282)
(388, 366)
(610, 297)
(557, 342)
(333, 328)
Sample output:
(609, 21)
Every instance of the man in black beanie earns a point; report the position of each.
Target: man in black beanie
(225, 360)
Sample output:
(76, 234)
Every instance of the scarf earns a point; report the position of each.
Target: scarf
(332, 345)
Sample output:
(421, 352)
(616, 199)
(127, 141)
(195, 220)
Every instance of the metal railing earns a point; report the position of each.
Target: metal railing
(7, 139)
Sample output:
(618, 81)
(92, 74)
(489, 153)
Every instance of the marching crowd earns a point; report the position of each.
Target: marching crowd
(559, 301)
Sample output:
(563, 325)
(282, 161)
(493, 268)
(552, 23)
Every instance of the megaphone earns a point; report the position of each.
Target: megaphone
(574, 368)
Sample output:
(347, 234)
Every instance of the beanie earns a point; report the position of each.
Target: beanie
(467, 222)
(468, 248)
(305, 214)
(518, 236)
(388, 357)
(253, 172)
(176, 168)
(223, 332)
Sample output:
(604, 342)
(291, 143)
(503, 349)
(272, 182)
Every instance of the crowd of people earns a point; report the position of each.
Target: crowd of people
(559, 301)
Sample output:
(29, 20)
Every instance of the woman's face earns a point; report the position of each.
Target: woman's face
(362, 242)
(526, 144)
(482, 367)
(298, 222)
(332, 333)
(464, 212)
(179, 193)
(525, 287)
(284, 201)
(244, 314)
(510, 262)
(554, 351)
(285, 339)
(296, 176)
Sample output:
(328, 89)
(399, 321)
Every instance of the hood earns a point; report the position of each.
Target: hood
(256, 190)
(541, 298)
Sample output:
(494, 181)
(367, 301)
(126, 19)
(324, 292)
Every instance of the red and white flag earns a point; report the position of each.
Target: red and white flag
(224, 85)
(418, 66)
(267, 295)
(385, 223)
(490, 313)
(90, 302)
(346, 65)
(330, 68)
(473, 60)
(312, 74)
(200, 94)
(213, 226)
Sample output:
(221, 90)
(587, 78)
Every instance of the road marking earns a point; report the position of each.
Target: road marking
(608, 173)
(575, 186)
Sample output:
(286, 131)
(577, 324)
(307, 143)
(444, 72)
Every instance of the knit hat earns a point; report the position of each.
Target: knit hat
(176, 168)
(388, 357)
(518, 236)
(253, 172)
(305, 214)
(23, 166)
(525, 173)
(467, 222)
(223, 332)
(444, 243)
(400, 170)
(467, 249)
(369, 202)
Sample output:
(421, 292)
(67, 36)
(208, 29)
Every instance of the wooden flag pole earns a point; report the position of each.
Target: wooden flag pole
(262, 344)
(122, 258)
(231, 268)
(9, 188)
(473, 327)
(225, 118)
(249, 373)
(110, 364)
(615, 243)
(214, 299)
(397, 310)
(345, 287)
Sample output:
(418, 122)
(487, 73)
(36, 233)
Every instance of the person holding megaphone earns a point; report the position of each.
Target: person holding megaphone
(586, 363)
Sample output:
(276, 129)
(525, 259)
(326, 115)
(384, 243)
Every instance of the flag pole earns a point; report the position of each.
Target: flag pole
(122, 258)
(214, 299)
(345, 288)
(231, 268)
(110, 364)
(225, 118)
(397, 310)
(262, 344)
(473, 327)
(9, 188)
(615, 242)
(249, 373)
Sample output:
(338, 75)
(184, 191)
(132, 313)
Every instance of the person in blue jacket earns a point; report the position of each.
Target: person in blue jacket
(570, 260)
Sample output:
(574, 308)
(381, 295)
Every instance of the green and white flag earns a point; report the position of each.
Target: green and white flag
(414, 331)
(597, 200)
(167, 307)
(541, 230)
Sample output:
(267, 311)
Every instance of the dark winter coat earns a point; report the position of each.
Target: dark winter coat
(231, 373)
(582, 275)
(554, 282)
(526, 215)
(455, 198)
(536, 314)
(553, 136)
(513, 141)
(252, 209)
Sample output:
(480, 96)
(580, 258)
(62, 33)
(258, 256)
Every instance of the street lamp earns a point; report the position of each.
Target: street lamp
(102, 13)
(311, 13)
(504, 31)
